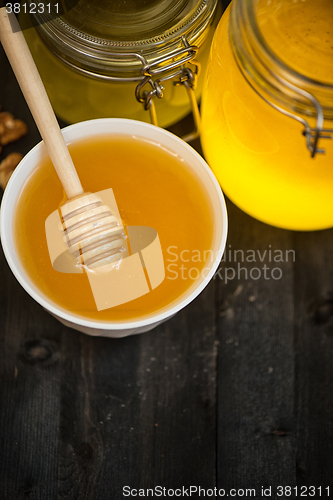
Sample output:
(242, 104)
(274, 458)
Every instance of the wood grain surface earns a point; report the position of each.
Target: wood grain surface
(235, 391)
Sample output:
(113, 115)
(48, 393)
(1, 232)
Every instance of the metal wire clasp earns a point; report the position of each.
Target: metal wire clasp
(174, 67)
(312, 135)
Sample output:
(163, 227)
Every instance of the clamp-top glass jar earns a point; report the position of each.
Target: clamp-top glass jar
(111, 59)
(270, 79)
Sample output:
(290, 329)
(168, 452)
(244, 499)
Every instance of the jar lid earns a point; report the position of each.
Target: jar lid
(131, 21)
(100, 37)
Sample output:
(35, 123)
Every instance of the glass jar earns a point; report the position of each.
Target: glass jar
(267, 110)
(121, 58)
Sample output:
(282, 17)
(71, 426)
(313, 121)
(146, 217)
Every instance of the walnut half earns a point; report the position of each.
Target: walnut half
(7, 167)
(11, 129)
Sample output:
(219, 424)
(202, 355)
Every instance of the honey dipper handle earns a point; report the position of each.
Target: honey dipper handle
(37, 99)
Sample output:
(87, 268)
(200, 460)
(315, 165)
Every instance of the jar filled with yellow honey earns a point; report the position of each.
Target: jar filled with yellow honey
(267, 110)
(121, 58)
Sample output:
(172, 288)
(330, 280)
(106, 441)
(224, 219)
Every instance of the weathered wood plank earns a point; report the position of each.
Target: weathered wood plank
(29, 395)
(314, 355)
(179, 393)
(98, 385)
(256, 357)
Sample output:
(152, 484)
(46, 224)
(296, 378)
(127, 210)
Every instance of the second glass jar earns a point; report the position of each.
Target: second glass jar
(100, 59)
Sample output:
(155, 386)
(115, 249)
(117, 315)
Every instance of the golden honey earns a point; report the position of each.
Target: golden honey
(153, 187)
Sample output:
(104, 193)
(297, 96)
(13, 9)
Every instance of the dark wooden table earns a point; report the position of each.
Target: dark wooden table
(233, 393)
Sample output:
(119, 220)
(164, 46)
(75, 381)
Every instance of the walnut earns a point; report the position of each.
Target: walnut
(7, 167)
(11, 129)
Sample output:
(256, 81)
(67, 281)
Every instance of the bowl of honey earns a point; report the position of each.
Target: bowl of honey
(172, 209)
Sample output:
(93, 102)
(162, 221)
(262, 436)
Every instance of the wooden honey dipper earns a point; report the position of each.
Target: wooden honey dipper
(93, 234)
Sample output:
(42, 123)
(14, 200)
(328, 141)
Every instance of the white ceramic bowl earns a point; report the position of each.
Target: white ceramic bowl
(114, 126)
